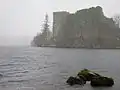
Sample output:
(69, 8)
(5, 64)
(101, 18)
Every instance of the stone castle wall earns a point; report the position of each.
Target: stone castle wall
(58, 19)
(91, 23)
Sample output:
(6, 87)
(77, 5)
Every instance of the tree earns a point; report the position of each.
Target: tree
(43, 37)
(116, 19)
(45, 30)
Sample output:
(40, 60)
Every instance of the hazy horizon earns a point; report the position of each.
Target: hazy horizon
(20, 20)
(15, 40)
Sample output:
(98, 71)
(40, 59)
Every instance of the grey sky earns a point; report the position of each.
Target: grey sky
(22, 18)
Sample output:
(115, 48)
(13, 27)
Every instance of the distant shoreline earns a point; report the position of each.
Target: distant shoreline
(76, 47)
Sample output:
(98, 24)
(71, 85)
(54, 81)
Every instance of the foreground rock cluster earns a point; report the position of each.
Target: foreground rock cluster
(95, 79)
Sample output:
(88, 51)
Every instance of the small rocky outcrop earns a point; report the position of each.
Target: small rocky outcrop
(95, 79)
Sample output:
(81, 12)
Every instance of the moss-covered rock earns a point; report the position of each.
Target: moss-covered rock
(94, 78)
(87, 74)
(102, 81)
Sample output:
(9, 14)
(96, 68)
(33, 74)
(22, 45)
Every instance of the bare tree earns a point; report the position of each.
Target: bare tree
(116, 19)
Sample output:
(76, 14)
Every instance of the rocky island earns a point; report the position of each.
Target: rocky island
(86, 28)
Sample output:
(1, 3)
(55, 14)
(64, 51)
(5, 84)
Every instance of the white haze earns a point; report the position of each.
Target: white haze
(20, 20)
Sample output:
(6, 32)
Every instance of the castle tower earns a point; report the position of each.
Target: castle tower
(58, 20)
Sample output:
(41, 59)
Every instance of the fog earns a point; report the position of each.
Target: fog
(15, 40)
(20, 20)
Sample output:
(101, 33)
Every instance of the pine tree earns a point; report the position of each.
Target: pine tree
(45, 30)
(42, 38)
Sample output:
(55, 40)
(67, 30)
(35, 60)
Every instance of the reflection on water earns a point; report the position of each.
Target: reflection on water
(26, 68)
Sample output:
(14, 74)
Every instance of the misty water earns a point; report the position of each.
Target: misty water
(28, 68)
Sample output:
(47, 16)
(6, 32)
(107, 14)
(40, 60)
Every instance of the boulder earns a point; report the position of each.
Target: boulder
(87, 74)
(94, 78)
(102, 81)
(75, 80)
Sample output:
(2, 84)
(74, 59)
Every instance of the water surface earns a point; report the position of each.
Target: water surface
(28, 68)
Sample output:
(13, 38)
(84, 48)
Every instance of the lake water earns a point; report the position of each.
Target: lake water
(28, 68)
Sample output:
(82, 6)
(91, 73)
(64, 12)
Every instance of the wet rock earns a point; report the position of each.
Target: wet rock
(102, 81)
(87, 74)
(74, 80)
(94, 78)
(83, 79)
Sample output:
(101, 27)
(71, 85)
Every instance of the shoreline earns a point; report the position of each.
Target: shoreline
(75, 47)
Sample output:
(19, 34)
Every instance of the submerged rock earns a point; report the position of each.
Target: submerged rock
(74, 80)
(102, 81)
